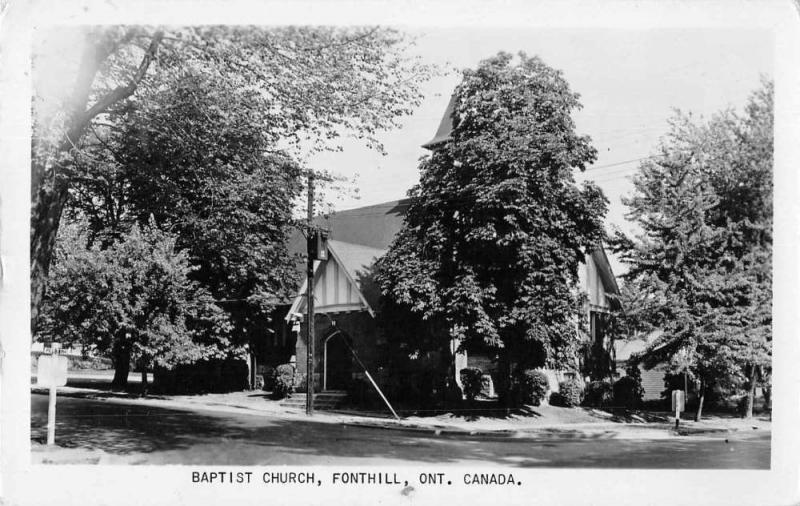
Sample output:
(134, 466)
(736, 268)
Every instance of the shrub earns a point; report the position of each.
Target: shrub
(472, 382)
(628, 392)
(269, 378)
(598, 394)
(284, 381)
(259, 382)
(569, 393)
(97, 363)
(556, 399)
(533, 386)
(299, 382)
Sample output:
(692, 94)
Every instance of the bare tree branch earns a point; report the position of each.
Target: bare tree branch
(123, 92)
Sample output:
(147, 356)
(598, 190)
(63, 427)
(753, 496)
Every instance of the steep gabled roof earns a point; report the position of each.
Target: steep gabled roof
(374, 226)
(357, 259)
(347, 271)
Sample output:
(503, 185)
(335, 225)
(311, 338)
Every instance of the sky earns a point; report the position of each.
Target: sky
(630, 82)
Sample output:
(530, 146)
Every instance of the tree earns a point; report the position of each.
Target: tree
(188, 155)
(317, 83)
(133, 301)
(55, 138)
(703, 257)
(497, 227)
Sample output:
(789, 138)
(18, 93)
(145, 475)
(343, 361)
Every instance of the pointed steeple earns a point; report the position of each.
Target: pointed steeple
(445, 127)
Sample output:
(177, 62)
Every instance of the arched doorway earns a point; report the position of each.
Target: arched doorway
(338, 363)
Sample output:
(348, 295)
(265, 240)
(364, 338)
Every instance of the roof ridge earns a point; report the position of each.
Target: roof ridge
(388, 203)
(362, 246)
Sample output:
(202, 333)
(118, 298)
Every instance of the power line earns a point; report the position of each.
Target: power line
(632, 160)
(602, 178)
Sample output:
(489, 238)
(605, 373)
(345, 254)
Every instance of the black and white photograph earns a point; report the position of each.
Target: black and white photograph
(314, 255)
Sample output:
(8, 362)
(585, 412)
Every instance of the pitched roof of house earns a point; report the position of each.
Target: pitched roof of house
(356, 238)
(356, 258)
(374, 226)
(624, 349)
(604, 268)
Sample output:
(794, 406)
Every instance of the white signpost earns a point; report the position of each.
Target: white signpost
(51, 372)
(678, 404)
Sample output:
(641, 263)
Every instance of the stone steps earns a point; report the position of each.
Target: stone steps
(331, 399)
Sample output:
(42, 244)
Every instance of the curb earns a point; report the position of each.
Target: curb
(538, 433)
(704, 430)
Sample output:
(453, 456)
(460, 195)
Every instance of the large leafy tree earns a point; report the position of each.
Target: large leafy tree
(133, 300)
(191, 156)
(311, 85)
(703, 256)
(490, 250)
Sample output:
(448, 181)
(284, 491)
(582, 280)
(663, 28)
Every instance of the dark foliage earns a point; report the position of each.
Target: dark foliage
(570, 393)
(472, 382)
(284, 381)
(628, 392)
(217, 99)
(703, 258)
(598, 394)
(204, 376)
(490, 250)
(269, 378)
(532, 386)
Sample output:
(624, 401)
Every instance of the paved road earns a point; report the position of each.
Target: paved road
(146, 435)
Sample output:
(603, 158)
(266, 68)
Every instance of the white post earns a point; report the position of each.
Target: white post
(385, 400)
(51, 417)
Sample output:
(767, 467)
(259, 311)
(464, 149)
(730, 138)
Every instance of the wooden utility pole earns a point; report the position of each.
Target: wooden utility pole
(310, 254)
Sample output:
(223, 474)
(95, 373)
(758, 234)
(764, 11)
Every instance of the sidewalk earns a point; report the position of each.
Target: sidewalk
(547, 422)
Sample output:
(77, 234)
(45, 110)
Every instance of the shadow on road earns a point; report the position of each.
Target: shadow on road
(174, 436)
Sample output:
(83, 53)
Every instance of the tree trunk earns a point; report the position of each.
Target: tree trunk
(45, 220)
(751, 393)
(506, 387)
(144, 380)
(49, 188)
(699, 413)
(122, 366)
(450, 396)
